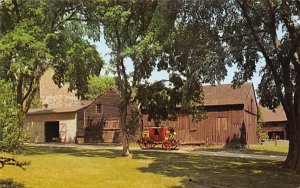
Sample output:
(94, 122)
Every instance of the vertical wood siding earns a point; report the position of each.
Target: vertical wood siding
(220, 126)
(102, 125)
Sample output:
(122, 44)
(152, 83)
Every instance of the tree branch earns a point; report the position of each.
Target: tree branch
(264, 52)
(16, 9)
(272, 26)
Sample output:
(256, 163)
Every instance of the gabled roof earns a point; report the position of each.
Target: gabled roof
(108, 90)
(224, 94)
(63, 109)
(273, 116)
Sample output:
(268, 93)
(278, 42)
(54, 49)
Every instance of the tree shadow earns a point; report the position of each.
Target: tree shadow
(73, 151)
(196, 170)
(237, 141)
(10, 183)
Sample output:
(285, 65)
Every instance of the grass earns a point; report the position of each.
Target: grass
(266, 148)
(74, 167)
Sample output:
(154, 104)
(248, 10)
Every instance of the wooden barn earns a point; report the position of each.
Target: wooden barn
(231, 116)
(274, 122)
(100, 121)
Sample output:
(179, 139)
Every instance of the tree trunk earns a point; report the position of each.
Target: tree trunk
(125, 141)
(293, 158)
(297, 119)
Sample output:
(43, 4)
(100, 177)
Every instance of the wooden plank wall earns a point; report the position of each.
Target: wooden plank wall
(250, 117)
(104, 126)
(218, 128)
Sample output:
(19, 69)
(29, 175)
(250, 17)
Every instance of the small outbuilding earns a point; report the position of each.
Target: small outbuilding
(55, 124)
(274, 122)
(231, 117)
(101, 121)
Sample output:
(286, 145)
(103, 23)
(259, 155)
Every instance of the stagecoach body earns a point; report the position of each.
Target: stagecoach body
(158, 135)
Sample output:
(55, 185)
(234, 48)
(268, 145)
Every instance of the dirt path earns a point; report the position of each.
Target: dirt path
(210, 153)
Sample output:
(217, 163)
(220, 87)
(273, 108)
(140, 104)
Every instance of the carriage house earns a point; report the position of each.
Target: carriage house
(231, 115)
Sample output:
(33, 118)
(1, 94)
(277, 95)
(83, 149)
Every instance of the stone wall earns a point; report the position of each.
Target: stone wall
(53, 96)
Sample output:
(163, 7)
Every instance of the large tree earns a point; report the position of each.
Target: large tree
(270, 30)
(160, 34)
(210, 34)
(183, 32)
(35, 35)
(124, 26)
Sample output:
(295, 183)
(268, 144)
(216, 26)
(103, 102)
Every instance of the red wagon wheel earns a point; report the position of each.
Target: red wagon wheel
(141, 143)
(149, 144)
(167, 144)
(174, 144)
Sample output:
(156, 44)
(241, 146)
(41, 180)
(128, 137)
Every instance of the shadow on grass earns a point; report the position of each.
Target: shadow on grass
(9, 183)
(246, 151)
(219, 171)
(195, 170)
(78, 152)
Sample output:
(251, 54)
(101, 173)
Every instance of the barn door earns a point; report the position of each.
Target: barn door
(111, 131)
(63, 132)
(183, 132)
(222, 129)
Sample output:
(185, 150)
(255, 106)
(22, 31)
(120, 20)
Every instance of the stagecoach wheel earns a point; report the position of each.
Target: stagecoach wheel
(141, 143)
(167, 145)
(174, 144)
(149, 144)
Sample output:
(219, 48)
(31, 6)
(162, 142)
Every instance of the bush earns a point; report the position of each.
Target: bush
(12, 135)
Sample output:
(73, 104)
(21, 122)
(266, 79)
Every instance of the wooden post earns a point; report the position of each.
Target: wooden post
(275, 140)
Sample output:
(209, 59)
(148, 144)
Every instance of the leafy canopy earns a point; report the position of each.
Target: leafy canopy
(11, 134)
(38, 34)
(97, 85)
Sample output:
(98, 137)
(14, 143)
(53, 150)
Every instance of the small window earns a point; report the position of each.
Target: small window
(99, 108)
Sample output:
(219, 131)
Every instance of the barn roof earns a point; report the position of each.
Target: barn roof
(273, 116)
(224, 94)
(63, 109)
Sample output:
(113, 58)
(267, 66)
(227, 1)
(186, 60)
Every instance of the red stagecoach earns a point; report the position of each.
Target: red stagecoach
(158, 135)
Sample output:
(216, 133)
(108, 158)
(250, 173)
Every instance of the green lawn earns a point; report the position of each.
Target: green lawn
(73, 167)
(266, 148)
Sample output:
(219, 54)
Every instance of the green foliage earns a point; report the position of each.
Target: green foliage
(35, 35)
(134, 121)
(262, 136)
(36, 101)
(12, 136)
(97, 85)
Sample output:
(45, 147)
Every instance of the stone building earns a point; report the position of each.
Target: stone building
(58, 118)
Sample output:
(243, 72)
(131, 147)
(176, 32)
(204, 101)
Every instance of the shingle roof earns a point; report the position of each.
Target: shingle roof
(224, 94)
(63, 109)
(270, 116)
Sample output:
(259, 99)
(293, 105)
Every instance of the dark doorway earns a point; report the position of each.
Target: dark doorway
(279, 134)
(52, 131)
